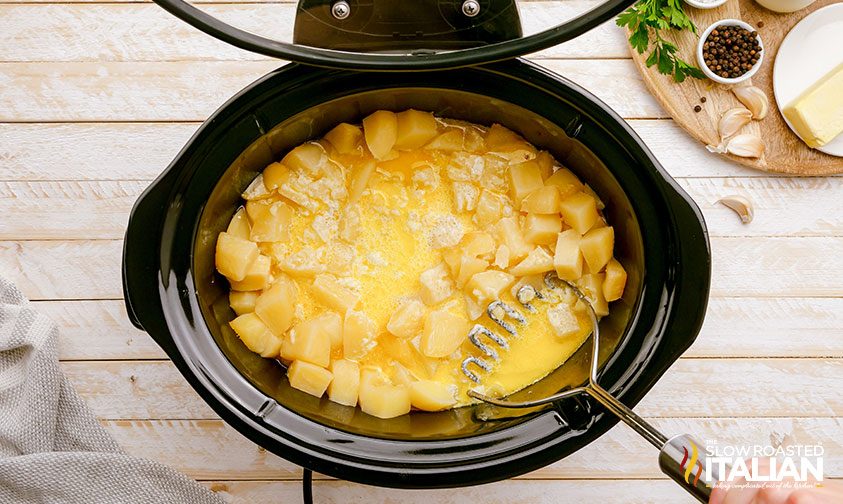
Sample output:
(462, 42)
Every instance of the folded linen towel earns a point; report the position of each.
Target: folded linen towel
(52, 449)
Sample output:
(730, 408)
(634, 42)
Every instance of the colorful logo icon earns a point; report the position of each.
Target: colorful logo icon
(694, 461)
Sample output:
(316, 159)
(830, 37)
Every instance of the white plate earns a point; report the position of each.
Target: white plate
(808, 52)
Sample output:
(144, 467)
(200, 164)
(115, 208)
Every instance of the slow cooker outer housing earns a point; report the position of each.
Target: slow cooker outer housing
(162, 297)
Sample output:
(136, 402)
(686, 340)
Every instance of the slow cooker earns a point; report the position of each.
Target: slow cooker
(457, 59)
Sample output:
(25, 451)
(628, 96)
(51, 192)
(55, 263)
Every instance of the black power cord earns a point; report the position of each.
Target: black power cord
(307, 487)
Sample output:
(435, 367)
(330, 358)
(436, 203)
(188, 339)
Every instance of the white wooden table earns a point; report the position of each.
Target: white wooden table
(97, 98)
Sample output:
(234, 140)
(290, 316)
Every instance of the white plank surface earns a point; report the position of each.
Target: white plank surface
(97, 97)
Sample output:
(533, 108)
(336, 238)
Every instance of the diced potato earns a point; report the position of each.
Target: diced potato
(435, 285)
(331, 323)
(415, 128)
(256, 336)
(579, 211)
(524, 178)
(256, 189)
(304, 263)
(428, 395)
(384, 401)
(465, 196)
(592, 287)
(234, 256)
(537, 261)
(405, 352)
(509, 234)
(469, 266)
(567, 260)
(308, 341)
(359, 181)
(306, 158)
(345, 138)
(545, 161)
(242, 302)
(276, 305)
(270, 220)
(563, 320)
(407, 320)
(346, 382)
(489, 208)
(542, 229)
(443, 333)
(477, 244)
(566, 181)
(257, 276)
(451, 140)
(452, 258)
(239, 225)
(309, 378)
(499, 135)
(381, 131)
(544, 200)
(502, 257)
(332, 294)
(358, 335)
(615, 281)
(275, 175)
(588, 190)
(597, 247)
(488, 285)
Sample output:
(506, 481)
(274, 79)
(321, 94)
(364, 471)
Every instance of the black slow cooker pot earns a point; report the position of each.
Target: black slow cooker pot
(173, 293)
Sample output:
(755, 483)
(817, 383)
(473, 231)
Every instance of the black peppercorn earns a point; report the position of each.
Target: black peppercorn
(697, 108)
(702, 100)
(731, 51)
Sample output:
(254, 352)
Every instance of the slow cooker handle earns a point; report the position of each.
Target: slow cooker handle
(686, 462)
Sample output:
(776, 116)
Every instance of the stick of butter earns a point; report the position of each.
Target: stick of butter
(817, 114)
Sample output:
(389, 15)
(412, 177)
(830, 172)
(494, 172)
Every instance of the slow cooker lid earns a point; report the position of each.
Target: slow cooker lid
(394, 35)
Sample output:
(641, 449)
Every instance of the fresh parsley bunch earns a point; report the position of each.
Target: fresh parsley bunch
(645, 19)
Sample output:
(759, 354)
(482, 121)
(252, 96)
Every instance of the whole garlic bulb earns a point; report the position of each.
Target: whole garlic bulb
(754, 99)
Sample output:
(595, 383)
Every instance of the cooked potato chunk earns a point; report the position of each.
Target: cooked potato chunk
(509, 234)
(234, 256)
(358, 335)
(489, 208)
(488, 285)
(345, 138)
(443, 333)
(537, 261)
(524, 178)
(331, 323)
(276, 305)
(568, 259)
(579, 211)
(468, 267)
(359, 181)
(477, 244)
(239, 225)
(309, 378)
(428, 395)
(546, 162)
(544, 200)
(308, 341)
(615, 281)
(384, 401)
(275, 175)
(407, 320)
(381, 130)
(242, 302)
(592, 287)
(451, 140)
(255, 335)
(270, 220)
(404, 352)
(499, 135)
(563, 320)
(435, 285)
(257, 276)
(346, 382)
(597, 246)
(415, 128)
(306, 158)
(542, 229)
(331, 293)
(566, 181)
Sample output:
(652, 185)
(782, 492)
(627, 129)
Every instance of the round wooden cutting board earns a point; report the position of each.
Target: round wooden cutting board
(785, 152)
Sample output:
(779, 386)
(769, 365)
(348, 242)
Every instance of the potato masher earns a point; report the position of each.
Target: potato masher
(681, 457)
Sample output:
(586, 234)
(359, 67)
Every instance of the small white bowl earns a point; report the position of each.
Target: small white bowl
(704, 5)
(713, 76)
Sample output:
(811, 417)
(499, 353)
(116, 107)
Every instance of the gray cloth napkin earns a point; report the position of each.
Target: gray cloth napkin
(52, 449)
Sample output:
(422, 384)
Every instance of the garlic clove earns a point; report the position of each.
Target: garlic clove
(732, 121)
(754, 99)
(741, 206)
(746, 145)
